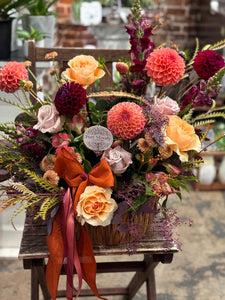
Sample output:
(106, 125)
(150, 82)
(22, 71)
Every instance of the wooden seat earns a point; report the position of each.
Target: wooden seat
(36, 54)
(34, 252)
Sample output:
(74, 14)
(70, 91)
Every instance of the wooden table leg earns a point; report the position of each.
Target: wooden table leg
(151, 286)
(34, 285)
(142, 276)
(38, 268)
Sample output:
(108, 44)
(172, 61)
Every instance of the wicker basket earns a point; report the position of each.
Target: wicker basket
(109, 235)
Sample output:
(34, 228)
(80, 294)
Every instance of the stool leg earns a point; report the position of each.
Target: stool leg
(34, 285)
(150, 286)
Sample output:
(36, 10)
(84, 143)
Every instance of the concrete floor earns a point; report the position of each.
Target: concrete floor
(196, 273)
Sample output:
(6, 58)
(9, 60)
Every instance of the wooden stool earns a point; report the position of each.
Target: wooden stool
(34, 252)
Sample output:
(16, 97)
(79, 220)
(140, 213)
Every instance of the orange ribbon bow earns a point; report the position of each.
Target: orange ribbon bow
(68, 168)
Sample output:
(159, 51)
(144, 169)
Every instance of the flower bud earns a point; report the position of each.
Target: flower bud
(28, 86)
(122, 67)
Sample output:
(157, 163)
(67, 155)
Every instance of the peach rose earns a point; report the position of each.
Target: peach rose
(96, 207)
(181, 137)
(84, 69)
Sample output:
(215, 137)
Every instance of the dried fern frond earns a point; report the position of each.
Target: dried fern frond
(22, 189)
(188, 116)
(47, 204)
(8, 139)
(44, 184)
(213, 115)
(114, 94)
(221, 136)
(195, 53)
(217, 78)
(219, 45)
(10, 201)
(203, 123)
(24, 109)
(195, 163)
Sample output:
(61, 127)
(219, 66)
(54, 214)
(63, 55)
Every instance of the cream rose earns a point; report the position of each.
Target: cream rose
(118, 159)
(181, 137)
(166, 106)
(96, 207)
(84, 69)
(48, 119)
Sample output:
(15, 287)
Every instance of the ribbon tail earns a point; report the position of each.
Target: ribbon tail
(55, 261)
(87, 260)
(70, 250)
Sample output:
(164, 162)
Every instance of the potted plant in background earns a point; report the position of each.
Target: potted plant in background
(7, 9)
(25, 35)
(41, 17)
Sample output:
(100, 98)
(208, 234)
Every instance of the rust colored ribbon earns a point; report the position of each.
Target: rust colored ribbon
(72, 172)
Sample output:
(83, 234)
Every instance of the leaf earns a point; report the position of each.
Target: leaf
(87, 166)
(139, 200)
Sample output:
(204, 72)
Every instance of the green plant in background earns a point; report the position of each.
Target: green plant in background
(32, 33)
(40, 7)
(8, 7)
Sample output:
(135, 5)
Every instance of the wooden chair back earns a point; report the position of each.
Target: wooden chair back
(64, 54)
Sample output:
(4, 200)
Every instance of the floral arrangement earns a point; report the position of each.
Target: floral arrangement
(89, 159)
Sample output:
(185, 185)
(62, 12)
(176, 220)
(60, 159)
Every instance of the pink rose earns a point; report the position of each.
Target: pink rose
(48, 119)
(166, 106)
(118, 159)
(59, 138)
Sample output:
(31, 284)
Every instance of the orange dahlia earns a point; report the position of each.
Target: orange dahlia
(165, 66)
(126, 120)
(10, 76)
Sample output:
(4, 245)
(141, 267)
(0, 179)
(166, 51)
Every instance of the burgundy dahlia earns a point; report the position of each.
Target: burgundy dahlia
(70, 98)
(207, 63)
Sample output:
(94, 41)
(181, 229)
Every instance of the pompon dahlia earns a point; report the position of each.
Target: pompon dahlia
(126, 120)
(70, 98)
(10, 76)
(207, 63)
(165, 66)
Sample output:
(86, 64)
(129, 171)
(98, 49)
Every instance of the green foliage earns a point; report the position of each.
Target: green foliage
(7, 7)
(40, 7)
(32, 33)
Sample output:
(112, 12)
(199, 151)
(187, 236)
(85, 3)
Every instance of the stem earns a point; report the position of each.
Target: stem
(88, 112)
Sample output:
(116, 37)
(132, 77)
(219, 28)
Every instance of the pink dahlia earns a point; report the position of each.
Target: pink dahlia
(70, 98)
(10, 76)
(207, 63)
(165, 66)
(126, 120)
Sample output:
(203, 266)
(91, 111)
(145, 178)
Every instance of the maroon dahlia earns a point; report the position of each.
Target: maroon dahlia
(70, 98)
(207, 63)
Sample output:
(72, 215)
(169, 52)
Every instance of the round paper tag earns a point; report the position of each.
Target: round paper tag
(98, 138)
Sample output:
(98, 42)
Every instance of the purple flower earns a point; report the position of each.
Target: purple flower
(21, 140)
(31, 132)
(145, 43)
(131, 31)
(70, 98)
(148, 32)
(34, 149)
(207, 63)
(139, 66)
